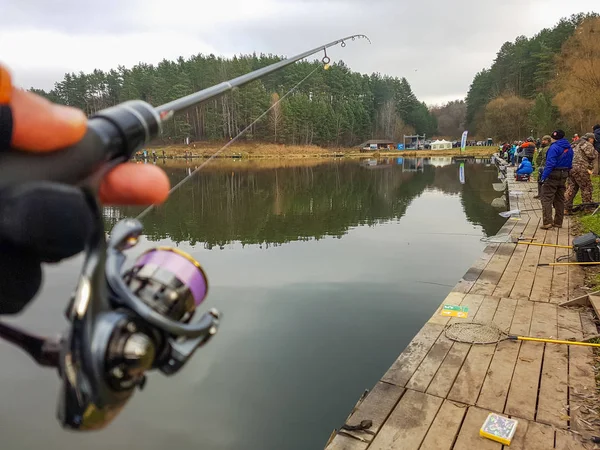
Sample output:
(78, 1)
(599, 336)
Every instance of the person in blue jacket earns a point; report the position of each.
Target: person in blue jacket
(525, 168)
(559, 161)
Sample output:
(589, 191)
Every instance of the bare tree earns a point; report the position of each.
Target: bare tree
(276, 116)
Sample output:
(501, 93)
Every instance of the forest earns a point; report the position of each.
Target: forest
(538, 84)
(332, 108)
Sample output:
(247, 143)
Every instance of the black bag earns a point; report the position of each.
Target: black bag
(587, 247)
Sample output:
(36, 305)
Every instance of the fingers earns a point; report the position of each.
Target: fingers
(40, 125)
(134, 184)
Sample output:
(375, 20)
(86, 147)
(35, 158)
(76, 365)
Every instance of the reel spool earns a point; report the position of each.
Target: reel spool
(170, 281)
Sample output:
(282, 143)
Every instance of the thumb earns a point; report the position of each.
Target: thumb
(38, 124)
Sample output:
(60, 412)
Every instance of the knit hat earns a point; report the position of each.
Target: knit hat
(589, 136)
(558, 134)
(546, 138)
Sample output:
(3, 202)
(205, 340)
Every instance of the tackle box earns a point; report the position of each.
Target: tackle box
(587, 247)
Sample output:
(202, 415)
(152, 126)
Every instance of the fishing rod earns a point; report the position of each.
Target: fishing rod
(123, 322)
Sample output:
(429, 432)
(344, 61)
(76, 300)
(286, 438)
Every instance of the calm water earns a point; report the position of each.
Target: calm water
(323, 274)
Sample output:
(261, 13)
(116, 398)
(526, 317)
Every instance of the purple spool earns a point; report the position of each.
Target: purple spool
(182, 266)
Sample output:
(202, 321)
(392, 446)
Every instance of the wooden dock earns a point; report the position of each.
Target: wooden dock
(437, 393)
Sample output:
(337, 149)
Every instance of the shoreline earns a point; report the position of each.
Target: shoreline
(271, 151)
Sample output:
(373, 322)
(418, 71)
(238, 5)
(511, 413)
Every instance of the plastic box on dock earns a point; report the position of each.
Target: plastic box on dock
(499, 428)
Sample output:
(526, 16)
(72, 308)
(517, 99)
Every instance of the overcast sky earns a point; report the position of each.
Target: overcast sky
(438, 45)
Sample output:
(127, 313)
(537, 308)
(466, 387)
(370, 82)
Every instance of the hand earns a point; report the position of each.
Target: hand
(41, 126)
(590, 171)
(50, 222)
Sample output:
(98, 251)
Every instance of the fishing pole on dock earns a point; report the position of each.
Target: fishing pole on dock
(123, 322)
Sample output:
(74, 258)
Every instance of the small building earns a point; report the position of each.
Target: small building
(441, 145)
(377, 144)
(416, 142)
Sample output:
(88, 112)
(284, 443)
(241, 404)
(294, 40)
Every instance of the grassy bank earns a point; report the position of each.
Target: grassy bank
(259, 151)
(587, 222)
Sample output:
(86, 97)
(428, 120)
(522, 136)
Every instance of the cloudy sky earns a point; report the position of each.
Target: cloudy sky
(438, 45)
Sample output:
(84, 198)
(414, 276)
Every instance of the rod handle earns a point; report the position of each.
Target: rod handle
(113, 133)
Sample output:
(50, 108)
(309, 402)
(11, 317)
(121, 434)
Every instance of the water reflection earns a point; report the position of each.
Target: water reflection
(307, 326)
(253, 203)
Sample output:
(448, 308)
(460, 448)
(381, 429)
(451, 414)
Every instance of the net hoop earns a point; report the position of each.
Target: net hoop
(474, 333)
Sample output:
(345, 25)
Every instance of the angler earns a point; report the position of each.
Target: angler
(55, 169)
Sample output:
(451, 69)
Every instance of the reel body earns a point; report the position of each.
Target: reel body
(123, 324)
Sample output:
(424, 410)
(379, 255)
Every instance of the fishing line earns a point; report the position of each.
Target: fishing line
(214, 155)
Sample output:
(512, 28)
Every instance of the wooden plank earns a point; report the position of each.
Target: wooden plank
(582, 300)
(588, 324)
(473, 302)
(470, 277)
(436, 355)
(521, 322)
(506, 283)
(566, 440)
(505, 312)
(341, 442)
(471, 375)
(552, 400)
(526, 275)
(446, 374)
(540, 292)
(522, 394)
(409, 422)
(424, 374)
(453, 298)
(403, 368)
(489, 278)
(376, 406)
(581, 380)
(582, 383)
(497, 381)
(595, 302)
(444, 429)
(569, 324)
(560, 279)
(532, 436)
(468, 436)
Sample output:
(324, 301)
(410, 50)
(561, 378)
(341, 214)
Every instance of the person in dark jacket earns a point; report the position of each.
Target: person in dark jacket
(597, 135)
(525, 168)
(559, 161)
(527, 149)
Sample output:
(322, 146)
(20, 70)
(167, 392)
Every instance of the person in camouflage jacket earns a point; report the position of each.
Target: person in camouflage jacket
(584, 155)
(540, 161)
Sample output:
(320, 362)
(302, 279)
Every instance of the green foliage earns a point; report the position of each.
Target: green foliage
(523, 68)
(543, 116)
(335, 107)
(274, 206)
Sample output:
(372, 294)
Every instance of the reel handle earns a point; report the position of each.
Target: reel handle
(113, 135)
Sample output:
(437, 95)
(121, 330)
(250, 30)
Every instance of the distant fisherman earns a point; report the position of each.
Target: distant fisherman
(559, 160)
(525, 168)
(584, 155)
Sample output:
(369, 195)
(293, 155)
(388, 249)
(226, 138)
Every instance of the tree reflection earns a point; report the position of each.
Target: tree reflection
(274, 205)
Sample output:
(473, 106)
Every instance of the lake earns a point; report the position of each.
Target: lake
(323, 271)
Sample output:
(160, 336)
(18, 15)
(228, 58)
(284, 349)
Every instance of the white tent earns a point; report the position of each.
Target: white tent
(440, 161)
(441, 145)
